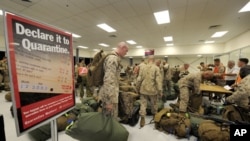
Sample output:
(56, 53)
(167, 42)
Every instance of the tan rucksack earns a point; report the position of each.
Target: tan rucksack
(234, 113)
(173, 123)
(96, 69)
(211, 131)
(8, 96)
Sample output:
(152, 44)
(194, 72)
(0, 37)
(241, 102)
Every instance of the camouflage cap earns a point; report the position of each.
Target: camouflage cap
(244, 71)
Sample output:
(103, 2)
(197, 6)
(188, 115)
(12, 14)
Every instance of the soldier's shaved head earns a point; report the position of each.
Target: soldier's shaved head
(207, 75)
(122, 49)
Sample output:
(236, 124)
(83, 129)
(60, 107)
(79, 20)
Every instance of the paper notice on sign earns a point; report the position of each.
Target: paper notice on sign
(227, 87)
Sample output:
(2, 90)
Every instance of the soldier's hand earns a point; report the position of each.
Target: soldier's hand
(109, 107)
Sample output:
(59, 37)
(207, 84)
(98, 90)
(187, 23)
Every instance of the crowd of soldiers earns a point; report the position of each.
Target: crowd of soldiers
(154, 78)
(4, 75)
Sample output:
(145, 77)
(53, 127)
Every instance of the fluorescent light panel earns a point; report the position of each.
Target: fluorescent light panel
(104, 45)
(131, 42)
(138, 46)
(246, 8)
(162, 17)
(83, 47)
(1, 12)
(106, 27)
(209, 42)
(170, 44)
(166, 56)
(219, 34)
(95, 49)
(114, 48)
(168, 38)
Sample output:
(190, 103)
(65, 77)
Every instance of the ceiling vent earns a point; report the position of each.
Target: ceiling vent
(214, 26)
(112, 36)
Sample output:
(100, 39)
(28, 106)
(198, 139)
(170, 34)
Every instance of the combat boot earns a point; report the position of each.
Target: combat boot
(142, 122)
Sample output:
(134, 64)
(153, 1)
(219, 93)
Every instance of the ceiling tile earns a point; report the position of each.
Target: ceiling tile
(124, 8)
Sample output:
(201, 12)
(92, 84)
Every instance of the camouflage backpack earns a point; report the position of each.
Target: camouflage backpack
(212, 131)
(173, 123)
(235, 113)
(96, 70)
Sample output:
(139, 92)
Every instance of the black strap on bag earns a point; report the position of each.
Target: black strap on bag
(2, 132)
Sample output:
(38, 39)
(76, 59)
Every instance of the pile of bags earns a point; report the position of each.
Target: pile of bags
(128, 110)
(84, 123)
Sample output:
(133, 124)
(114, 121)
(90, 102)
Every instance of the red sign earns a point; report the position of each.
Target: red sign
(41, 66)
(149, 52)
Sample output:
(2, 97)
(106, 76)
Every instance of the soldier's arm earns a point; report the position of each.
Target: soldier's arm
(110, 80)
(139, 81)
(239, 93)
(158, 80)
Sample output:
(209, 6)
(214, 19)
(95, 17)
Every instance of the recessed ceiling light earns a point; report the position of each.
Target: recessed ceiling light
(168, 38)
(199, 55)
(106, 27)
(131, 42)
(83, 47)
(138, 46)
(219, 34)
(162, 17)
(246, 8)
(104, 45)
(166, 56)
(74, 35)
(1, 12)
(209, 42)
(170, 45)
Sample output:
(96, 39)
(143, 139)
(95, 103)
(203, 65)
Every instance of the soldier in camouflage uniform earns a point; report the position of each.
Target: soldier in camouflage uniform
(184, 70)
(189, 86)
(109, 91)
(241, 95)
(5, 72)
(149, 84)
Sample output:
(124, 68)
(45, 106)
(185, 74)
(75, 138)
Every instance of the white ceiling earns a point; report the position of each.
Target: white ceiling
(133, 19)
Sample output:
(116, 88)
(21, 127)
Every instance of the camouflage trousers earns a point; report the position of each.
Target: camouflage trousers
(185, 93)
(153, 102)
(167, 87)
(7, 82)
(81, 86)
(113, 113)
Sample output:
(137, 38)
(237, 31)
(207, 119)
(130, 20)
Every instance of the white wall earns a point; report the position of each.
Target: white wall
(243, 40)
(182, 50)
(179, 60)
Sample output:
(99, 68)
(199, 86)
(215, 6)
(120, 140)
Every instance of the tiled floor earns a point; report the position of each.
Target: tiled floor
(147, 133)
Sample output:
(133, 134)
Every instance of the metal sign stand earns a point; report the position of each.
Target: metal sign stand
(54, 133)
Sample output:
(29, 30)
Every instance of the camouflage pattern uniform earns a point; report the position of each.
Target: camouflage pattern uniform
(6, 78)
(109, 91)
(188, 85)
(81, 86)
(241, 95)
(183, 72)
(167, 79)
(149, 84)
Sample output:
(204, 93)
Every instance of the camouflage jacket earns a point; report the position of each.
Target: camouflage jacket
(4, 67)
(183, 72)
(241, 95)
(167, 72)
(192, 81)
(110, 89)
(149, 81)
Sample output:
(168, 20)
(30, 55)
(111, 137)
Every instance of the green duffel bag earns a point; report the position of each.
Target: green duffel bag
(91, 101)
(95, 126)
(42, 133)
(195, 122)
(83, 108)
